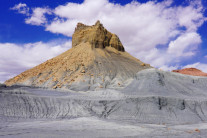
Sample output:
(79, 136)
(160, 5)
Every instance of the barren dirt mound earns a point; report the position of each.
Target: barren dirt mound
(191, 71)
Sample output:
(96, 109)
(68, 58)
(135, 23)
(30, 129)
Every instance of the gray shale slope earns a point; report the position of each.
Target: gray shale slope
(155, 104)
(153, 97)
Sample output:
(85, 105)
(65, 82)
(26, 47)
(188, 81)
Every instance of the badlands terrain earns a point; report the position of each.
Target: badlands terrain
(97, 89)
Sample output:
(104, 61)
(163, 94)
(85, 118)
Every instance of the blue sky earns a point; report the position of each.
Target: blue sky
(165, 33)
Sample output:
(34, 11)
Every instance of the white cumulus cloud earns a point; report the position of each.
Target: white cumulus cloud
(21, 8)
(185, 44)
(35, 16)
(38, 16)
(16, 58)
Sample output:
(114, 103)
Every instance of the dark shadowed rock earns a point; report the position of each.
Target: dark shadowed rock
(2, 85)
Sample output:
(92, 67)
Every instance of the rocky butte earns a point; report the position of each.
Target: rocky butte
(96, 60)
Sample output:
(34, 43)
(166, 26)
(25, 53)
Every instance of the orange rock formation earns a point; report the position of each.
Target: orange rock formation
(191, 71)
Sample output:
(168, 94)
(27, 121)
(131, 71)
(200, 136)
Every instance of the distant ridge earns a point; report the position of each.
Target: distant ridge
(191, 71)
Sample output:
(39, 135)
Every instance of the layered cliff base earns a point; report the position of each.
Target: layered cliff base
(154, 104)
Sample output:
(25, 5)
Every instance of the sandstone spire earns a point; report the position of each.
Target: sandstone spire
(97, 36)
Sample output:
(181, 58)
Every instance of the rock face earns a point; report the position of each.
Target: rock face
(97, 36)
(96, 60)
(191, 71)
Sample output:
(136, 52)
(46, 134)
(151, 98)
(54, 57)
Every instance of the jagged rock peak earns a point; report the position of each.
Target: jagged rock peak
(98, 23)
(97, 36)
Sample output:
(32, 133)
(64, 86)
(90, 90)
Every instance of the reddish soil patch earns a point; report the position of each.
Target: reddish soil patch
(191, 71)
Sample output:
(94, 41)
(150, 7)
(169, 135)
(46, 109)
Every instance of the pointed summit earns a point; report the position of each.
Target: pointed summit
(98, 23)
(97, 36)
(97, 60)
